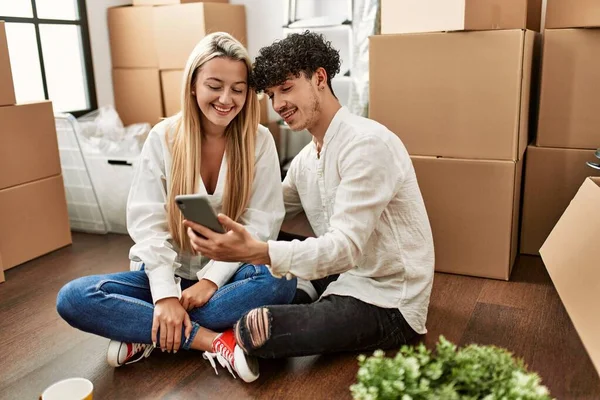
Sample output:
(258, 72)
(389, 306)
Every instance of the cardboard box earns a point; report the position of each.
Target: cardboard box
(571, 257)
(169, 2)
(179, 28)
(171, 84)
(138, 95)
(570, 89)
(473, 208)
(131, 35)
(264, 101)
(33, 220)
(461, 95)
(273, 127)
(28, 144)
(412, 16)
(7, 90)
(552, 177)
(572, 14)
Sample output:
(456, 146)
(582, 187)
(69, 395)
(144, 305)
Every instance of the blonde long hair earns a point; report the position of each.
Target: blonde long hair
(187, 138)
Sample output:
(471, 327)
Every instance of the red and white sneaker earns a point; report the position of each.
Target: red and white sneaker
(232, 357)
(121, 353)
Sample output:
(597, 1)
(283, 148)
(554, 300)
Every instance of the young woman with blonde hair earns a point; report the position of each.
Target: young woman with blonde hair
(173, 297)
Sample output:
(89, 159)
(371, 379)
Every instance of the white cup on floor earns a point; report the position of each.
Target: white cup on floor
(69, 389)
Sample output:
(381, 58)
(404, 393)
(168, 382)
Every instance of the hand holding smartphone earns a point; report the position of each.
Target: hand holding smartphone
(197, 208)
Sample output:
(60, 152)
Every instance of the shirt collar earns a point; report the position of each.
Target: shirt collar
(333, 128)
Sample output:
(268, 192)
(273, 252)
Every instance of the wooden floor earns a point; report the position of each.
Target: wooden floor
(525, 316)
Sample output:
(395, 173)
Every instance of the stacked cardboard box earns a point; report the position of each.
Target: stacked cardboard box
(414, 16)
(569, 121)
(150, 44)
(460, 102)
(33, 208)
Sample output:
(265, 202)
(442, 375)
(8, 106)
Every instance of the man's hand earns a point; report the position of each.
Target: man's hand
(169, 316)
(237, 245)
(198, 294)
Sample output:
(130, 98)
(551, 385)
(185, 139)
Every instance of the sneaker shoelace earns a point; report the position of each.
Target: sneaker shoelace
(223, 355)
(137, 348)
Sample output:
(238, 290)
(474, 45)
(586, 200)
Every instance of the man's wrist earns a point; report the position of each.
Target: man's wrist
(260, 253)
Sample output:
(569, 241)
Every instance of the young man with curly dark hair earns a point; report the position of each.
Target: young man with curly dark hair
(371, 264)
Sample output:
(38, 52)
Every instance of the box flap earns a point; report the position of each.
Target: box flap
(571, 256)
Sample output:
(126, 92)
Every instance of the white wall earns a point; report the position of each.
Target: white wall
(264, 22)
(96, 13)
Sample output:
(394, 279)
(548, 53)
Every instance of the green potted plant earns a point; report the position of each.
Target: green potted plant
(473, 372)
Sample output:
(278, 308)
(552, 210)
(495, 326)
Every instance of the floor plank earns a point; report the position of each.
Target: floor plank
(511, 328)
(524, 315)
(527, 289)
(453, 300)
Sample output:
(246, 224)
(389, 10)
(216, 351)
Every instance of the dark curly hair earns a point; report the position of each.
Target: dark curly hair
(299, 52)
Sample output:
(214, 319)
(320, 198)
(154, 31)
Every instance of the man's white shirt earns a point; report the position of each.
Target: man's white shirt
(362, 199)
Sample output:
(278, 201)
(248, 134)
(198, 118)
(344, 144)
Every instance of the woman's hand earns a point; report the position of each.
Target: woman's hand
(198, 294)
(169, 316)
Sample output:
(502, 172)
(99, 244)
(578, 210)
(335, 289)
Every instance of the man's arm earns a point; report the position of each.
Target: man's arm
(370, 177)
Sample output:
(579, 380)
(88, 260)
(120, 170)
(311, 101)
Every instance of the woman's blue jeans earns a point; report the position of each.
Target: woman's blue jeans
(119, 306)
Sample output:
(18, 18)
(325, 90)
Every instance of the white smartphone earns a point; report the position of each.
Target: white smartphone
(197, 208)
